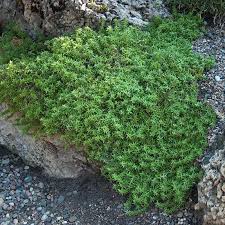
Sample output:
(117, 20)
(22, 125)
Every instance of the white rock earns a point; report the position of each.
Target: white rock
(44, 217)
(219, 193)
(223, 187)
(15, 221)
(26, 167)
(217, 78)
(222, 169)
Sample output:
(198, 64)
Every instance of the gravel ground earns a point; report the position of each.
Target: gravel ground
(26, 197)
(212, 89)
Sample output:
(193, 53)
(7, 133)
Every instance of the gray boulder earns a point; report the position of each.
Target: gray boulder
(50, 154)
(211, 189)
(57, 17)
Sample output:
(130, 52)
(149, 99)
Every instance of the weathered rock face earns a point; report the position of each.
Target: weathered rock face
(46, 153)
(211, 190)
(60, 16)
(7, 9)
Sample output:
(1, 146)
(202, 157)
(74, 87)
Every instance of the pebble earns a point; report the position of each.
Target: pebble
(5, 161)
(28, 179)
(44, 217)
(223, 187)
(61, 199)
(217, 78)
(72, 219)
(26, 167)
(15, 221)
(39, 208)
(41, 185)
(1, 202)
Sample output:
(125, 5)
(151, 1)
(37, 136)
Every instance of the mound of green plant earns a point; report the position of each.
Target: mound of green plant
(212, 8)
(16, 43)
(129, 96)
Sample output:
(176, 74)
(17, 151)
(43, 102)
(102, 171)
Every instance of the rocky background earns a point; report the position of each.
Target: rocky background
(55, 17)
(211, 189)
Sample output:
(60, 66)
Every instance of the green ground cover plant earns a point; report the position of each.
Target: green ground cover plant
(15, 44)
(209, 8)
(129, 96)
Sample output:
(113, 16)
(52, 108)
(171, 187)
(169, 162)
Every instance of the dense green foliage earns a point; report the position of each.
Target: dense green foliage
(214, 8)
(129, 97)
(15, 44)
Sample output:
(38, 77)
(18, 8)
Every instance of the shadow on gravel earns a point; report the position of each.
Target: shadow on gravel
(3, 151)
(88, 200)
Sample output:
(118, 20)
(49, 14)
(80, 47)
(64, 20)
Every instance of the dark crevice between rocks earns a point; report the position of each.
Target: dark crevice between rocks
(194, 200)
(218, 144)
(2, 24)
(58, 7)
(34, 9)
(3, 151)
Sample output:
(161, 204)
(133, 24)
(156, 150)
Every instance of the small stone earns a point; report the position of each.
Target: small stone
(44, 217)
(15, 221)
(26, 167)
(5, 206)
(222, 169)
(60, 199)
(25, 201)
(39, 209)
(28, 179)
(41, 185)
(72, 219)
(12, 204)
(69, 194)
(219, 194)
(43, 203)
(223, 198)
(5, 161)
(1, 202)
(217, 78)
(58, 218)
(223, 187)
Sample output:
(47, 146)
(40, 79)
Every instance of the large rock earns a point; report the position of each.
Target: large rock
(60, 16)
(8, 9)
(50, 154)
(211, 189)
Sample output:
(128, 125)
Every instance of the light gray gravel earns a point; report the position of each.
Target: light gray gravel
(212, 89)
